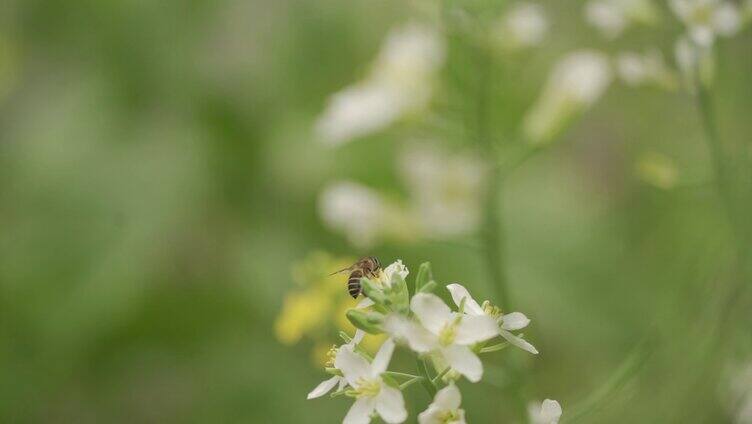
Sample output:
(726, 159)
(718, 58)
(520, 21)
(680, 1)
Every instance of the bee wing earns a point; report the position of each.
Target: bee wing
(342, 270)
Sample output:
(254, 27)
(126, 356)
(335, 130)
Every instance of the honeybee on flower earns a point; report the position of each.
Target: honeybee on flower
(453, 341)
(315, 310)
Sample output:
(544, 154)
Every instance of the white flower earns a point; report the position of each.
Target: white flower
(606, 16)
(707, 18)
(445, 189)
(369, 389)
(649, 68)
(525, 25)
(400, 83)
(506, 322)
(612, 17)
(695, 62)
(363, 215)
(548, 412)
(395, 268)
(445, 408)
(327, 385)
(576, 82)
(447, 333)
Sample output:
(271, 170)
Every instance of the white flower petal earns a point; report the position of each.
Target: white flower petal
(514, 321)
(382, 358)
(352, 365)
(431, 311)
(727, 19)
(407, 331)
(476, 328)
(448, 398)
(391, 405)
(432, 415)
(458, 292)
(366, 302)
(395, 268)
(324, 387)
(358, 337)
(550, 411)
(519, 342)
(464, 361)
(360, 411)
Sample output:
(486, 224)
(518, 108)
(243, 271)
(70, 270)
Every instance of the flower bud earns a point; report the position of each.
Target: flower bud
(428, 287)
(370, 322)
(373, 292)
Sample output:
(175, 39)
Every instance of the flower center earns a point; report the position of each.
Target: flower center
(365, 388)
(381, 279)
(330, 355)
(449, 416)
(491, 310)
(449, 331)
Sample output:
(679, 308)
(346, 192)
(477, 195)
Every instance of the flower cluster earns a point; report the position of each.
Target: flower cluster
(428, 328)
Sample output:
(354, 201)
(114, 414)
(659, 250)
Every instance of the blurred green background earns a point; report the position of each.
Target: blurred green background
(159, 180)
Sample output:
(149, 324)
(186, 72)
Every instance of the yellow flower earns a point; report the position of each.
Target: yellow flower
(316, 310)
(301, 313)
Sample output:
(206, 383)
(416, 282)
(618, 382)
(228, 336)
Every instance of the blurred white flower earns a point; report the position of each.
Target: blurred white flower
(399, 83)
(576, 82)
(445, 408)
(695, 62)
(524, 25)
(327, 385)
(705, 19)
(637, 69)
(506, 322)
(612, 17)
(606, 16)
(445, 189)
(739, 399)
(363, 215)
(370, 391)
(547, 412)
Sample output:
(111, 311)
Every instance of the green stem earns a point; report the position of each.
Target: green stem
(426, 379)
(440, 376)
(725, 181)
(494, 348)
(492, 232)
(628, 370)
(719, 156)
(401, 374)
(410, 382)
(492, 235)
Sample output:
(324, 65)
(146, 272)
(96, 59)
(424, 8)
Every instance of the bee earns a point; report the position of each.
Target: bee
(368, 266)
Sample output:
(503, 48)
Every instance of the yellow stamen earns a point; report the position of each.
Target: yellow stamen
(365, 388)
